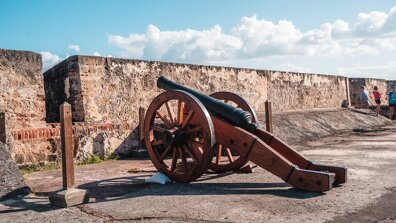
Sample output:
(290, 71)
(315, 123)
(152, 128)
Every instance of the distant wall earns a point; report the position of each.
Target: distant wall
(390, 84)
(369, 83)
(21, 88)
(112, 89)
(293, 91)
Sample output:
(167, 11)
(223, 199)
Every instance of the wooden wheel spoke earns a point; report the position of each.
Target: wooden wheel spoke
(197, 148)
(191, 153)
(164, 120)
(229, 154)
(158, 128)
(219, 151)
(158, 142)
(195, 129)
(165, 153)
(196, 143)
(180, 112)
(188, 118)
(184, 159)
(222, 164)
(175, 156)
(170, 112)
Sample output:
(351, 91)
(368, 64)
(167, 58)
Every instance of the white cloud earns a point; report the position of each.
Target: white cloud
(74, 47)
(373, 34)
(49, 59)
(133, 45)
(265, 38)
(370, 22)
(185, 45)
(96, 53)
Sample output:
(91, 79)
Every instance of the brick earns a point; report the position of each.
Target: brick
(41, 133)
(46, 133)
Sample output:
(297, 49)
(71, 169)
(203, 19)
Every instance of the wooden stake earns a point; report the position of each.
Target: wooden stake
(3, 135)
(268, 116)
(67, 145)
(141, 125)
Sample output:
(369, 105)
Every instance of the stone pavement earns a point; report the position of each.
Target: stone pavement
(118, 192)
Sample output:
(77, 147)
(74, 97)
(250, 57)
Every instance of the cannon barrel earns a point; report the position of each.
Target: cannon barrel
(236, 116)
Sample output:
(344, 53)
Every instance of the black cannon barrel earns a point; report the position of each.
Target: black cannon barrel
(234, 115)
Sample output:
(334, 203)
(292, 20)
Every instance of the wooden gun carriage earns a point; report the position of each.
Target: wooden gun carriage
(187, 132)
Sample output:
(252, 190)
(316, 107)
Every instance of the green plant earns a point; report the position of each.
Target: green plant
(97, 159)
(57, 165)
(39, 167)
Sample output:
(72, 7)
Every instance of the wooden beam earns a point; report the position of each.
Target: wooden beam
(141, 125)
(257, 151)
(67, 145)
(268, 116)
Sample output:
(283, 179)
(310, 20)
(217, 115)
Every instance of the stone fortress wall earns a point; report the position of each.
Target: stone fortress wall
(21, 88)
(111, 89)
(106, 93)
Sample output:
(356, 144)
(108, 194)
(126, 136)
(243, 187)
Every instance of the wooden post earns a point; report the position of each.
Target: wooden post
(141, 125)
(268, 116)
(3, 134)
(67, 145)
(69, 196)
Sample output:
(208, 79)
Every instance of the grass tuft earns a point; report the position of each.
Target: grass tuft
(58, 165)
(97, 159)
(39, 167)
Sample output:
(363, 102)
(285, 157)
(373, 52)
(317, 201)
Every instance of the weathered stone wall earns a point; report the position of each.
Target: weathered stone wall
(369, 83)
(62, 83)
(21, 89)
(127, 84)
(111, 89)
(293, 91)
(41, 145)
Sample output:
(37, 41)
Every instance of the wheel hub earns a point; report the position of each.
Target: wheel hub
(179, 138)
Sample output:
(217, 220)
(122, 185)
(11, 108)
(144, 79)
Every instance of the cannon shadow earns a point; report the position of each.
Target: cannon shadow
(131, 187)
(134, 187)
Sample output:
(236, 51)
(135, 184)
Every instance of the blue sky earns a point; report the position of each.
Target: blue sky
(352, 38)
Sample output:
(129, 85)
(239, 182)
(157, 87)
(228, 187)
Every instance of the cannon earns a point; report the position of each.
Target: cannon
(188, 132)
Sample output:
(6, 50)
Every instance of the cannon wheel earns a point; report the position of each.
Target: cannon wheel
(179, 135)
(231, 161)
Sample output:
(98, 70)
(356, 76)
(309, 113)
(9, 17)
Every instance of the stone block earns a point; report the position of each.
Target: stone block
(69, 197)
(20, 158)
(11, 181)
